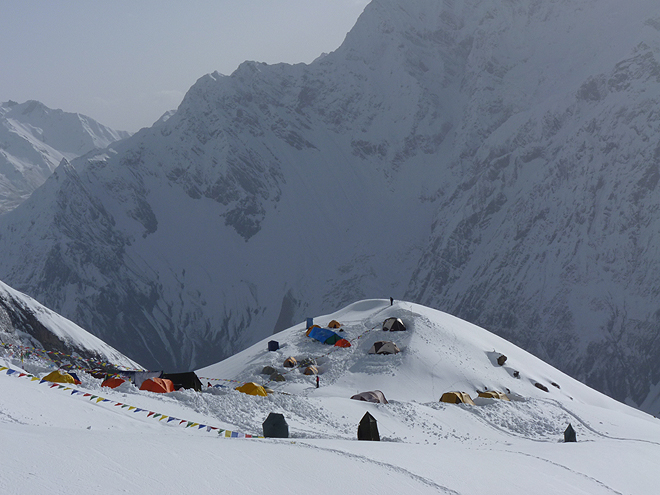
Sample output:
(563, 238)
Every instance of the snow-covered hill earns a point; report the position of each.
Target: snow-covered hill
(28, 328)
(111, 437)
(493, 159)
(33, 141)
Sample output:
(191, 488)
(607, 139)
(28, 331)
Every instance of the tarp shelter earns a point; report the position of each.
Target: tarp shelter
(457, 398)
(252, 388)
(112, 382)
(275, 426)
(373, 396)
(184, 380)
(342, 343)
(393, 325)
(569, 434)
(384, 347)
(368, 428)
(58, 376)
(158, 385)
(334, 324)
(290, 362)
(493, 394)
(309, 329)
(324, 335)
(273, 345)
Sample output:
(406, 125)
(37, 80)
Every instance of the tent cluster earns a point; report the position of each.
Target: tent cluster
(155, 381)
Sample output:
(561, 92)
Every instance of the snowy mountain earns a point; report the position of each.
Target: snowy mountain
(33, 141)
(493, 159)
(426, 446)
(28, 328)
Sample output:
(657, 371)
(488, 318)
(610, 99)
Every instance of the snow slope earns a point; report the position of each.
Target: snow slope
(64, 443)
(27, 326)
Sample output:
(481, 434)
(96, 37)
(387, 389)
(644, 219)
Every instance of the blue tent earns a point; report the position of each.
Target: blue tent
(324, 335)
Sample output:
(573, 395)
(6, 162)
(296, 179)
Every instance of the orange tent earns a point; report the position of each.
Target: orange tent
(334, 324)
(342, 343)
(158, 385)
(112, 382)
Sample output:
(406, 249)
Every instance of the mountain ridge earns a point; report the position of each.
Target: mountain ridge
(490, 160)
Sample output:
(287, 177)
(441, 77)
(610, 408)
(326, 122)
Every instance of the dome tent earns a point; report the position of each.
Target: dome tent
(158, 385)
(375, 396)
(58, 376)
(384, 347)
(494, 394)
(457, 398)
(252, 388)
(393, 325)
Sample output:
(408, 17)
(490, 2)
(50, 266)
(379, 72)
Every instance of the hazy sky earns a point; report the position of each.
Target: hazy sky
(126, 62)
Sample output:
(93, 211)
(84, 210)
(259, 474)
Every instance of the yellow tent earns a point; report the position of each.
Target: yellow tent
(252, 388)
(311, 370)
(457, 398)
(58, 376)
(493, 394)
(334, 324)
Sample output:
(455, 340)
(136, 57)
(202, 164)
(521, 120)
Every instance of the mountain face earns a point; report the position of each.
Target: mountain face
(33, 141)
(495, 160)
(26, 326)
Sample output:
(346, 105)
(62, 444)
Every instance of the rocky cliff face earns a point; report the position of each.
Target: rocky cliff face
(495, 160)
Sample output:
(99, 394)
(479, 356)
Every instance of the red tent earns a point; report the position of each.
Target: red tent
(158, 385)
(112, 382)
(342, 343)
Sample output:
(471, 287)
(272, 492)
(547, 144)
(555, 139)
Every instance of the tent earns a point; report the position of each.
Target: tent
(76, 380)
(290, 362)
(569, 434)
(311, 370)
(158, 385)
(252, 388)
(273, 345)
(112, 382)
(393, 325)
(384, 347)
(310, 328)
(457, 398)
(184, 380)
(368, 428)
(277, 377)
(493, 394)
(334, 324)
(275, 426)
(375, 396)
(137, 377)
(342, 343)
(324, 335)
(58, 376)
(268, 370)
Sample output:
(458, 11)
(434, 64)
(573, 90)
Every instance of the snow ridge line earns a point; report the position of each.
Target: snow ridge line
(392, 467)
(150, 414)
